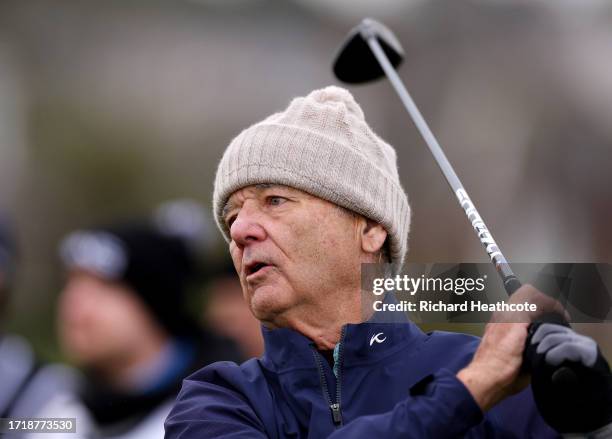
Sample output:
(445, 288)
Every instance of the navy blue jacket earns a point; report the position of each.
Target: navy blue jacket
(403, 386)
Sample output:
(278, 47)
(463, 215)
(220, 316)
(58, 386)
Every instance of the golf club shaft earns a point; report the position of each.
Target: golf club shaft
(509, 279)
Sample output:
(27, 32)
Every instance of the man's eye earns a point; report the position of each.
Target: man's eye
(276, 201)
(230, 221)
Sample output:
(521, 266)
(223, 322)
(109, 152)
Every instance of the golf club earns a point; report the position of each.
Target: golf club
(372, 51)
(372, 46)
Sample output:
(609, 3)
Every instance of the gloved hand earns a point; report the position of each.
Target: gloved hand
(576, 400)
(560, 343)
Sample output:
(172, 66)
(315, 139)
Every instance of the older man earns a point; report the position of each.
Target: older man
(304, 198)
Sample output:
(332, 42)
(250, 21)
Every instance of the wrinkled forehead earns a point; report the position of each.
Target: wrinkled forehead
(231, 200)
(235, 197)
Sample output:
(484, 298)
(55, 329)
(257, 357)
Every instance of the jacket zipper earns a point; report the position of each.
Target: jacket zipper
(334, 406)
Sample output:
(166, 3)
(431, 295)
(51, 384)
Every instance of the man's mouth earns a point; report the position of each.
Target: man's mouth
(255, 267)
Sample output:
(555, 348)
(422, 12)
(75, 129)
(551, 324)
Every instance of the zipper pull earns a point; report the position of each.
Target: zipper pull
(336, 415)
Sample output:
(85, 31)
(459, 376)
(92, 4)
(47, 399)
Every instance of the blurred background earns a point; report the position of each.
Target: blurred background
(109, 108)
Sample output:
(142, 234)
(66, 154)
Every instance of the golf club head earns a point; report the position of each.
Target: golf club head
(355, 63)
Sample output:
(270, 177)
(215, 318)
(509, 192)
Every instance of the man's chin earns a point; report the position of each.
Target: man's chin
(268, 301)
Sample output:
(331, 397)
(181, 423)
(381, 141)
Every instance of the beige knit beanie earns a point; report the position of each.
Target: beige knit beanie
(321, 144)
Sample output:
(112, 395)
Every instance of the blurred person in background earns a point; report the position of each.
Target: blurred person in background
(228, 314)
(122, 317)
(26, 384)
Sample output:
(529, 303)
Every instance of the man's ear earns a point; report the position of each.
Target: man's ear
(373, 237)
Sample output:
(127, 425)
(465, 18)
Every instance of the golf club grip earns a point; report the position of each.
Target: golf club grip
(531, 358)
(511, 284)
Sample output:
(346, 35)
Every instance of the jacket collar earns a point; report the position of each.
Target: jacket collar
(362, 343)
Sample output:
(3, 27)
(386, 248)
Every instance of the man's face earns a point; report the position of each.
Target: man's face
(99, 321)
(296, 255)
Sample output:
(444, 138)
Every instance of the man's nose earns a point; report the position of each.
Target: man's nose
(247, 227)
